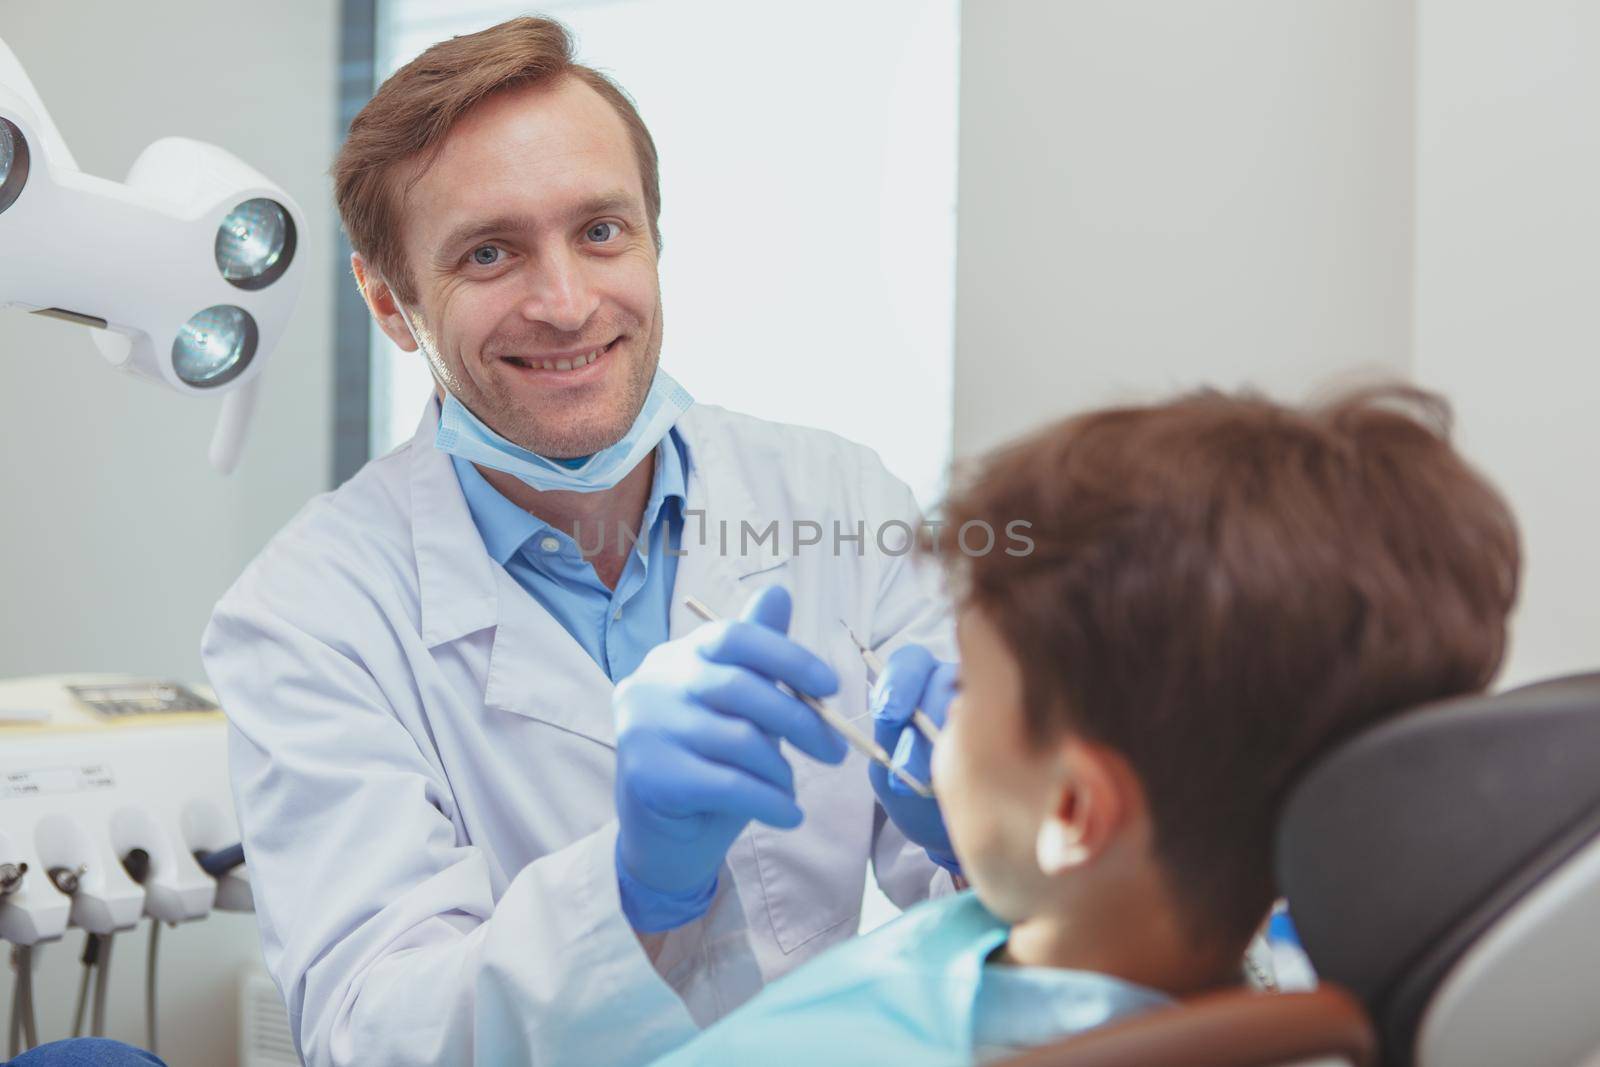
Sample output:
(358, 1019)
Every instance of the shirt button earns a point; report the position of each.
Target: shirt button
(617, 614)
(550, 544)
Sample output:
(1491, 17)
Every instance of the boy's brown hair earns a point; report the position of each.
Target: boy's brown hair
(410, 115)
(1222, 588)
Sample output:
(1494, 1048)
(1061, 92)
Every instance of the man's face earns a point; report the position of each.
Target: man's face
(995, 788)
(535, 268)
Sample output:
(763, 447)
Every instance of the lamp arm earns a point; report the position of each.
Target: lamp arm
(233, 426)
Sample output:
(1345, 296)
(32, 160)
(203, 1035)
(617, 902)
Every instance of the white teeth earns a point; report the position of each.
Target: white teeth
(562, 364)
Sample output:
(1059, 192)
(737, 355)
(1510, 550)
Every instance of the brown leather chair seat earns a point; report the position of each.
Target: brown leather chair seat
(1237, 1028)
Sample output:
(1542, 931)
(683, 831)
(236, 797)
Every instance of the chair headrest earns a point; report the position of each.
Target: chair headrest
(1409, 842)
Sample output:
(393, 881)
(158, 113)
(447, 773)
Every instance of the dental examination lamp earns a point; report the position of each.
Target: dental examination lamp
(187, 270)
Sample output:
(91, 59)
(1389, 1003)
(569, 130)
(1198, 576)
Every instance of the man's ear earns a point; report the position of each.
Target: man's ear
(381, 302)
(1097, 793)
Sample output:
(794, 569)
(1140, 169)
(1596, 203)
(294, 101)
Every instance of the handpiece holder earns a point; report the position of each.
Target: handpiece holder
(31, 910)
(85, 872)
(175, 888)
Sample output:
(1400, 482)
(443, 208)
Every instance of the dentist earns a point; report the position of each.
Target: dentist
(503, 799)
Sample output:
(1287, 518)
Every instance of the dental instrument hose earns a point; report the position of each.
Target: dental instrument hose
(150, 984)
(220, 861)
(21, 993)
(14, 1041)
(24, 1032)
(30, 1029)
(91, 955)
(97, 1028)
(137, 864)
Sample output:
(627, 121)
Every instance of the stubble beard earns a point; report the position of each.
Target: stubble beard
(544, 431)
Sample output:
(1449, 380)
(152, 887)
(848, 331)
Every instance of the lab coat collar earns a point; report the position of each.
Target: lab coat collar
(456, 586)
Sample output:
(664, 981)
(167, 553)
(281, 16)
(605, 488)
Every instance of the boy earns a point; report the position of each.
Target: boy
(1220, 590)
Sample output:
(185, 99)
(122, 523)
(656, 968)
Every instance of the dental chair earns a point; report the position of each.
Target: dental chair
(1443, 870)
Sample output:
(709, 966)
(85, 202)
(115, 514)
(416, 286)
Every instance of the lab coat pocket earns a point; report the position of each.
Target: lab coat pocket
(812, 877)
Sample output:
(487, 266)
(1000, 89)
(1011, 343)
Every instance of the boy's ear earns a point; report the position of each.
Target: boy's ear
(1096, 796)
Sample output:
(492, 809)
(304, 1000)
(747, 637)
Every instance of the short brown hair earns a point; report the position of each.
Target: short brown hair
(414, 110)
(1222, 588)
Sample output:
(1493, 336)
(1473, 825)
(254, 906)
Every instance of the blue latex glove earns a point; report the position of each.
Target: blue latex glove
(698, 726)
(912, 679)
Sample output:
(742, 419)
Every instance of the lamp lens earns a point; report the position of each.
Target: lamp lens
(13, 163)
(255, 243)
(215, 346)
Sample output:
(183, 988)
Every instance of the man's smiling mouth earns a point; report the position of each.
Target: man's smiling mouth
(566, 361)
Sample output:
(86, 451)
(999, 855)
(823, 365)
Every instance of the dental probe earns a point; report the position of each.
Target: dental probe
(857, 740)
(874, 662)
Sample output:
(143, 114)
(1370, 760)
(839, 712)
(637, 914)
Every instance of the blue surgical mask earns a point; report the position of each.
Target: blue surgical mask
(463, 434)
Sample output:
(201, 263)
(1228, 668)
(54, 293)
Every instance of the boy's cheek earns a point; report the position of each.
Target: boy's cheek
(993, 873)
(946, 783)
(939, 765)
(952, 781)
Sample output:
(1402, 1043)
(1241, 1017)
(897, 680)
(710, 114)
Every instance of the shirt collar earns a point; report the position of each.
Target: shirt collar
(505, 527)
(671, 480)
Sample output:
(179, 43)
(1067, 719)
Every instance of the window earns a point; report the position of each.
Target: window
(808, 171)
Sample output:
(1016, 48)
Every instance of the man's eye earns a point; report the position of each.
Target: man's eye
(486, 255)
(601, 232)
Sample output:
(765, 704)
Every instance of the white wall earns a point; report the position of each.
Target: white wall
(117, 536)
(1508, 285)
(1162, 193)
(1158, 193)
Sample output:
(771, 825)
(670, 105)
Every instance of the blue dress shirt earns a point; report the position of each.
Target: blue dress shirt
(616, 627)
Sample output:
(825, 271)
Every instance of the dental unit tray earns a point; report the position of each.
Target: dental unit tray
(140, 698)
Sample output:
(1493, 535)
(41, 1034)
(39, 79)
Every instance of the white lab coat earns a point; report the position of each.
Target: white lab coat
(423, 763)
